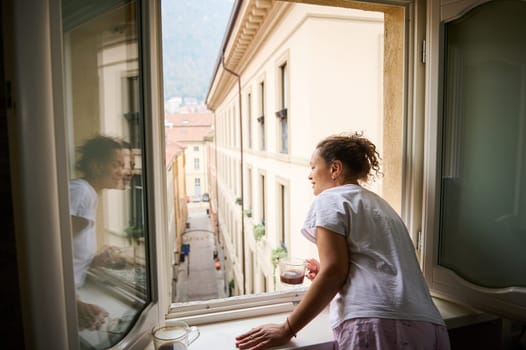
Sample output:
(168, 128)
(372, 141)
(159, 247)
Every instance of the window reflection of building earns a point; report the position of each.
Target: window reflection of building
(104, 97)
(137, 202)
(132, 110)
(132, 114)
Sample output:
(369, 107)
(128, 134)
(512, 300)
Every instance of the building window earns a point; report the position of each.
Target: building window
(253, 273)
(262, 195)
(196, 163)
(196, 148)
(137, 202)
(197, 188)
(261, 118)
(132, 110)
(237, 176)
(249, 119)
(283, 215)
(233, 124)
(282, 113)
(249, 189)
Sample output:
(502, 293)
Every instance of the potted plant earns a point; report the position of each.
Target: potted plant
(248, 212)
(231, 286)
(238, 201)
(259, 231)
(134, 233)
(277, 254)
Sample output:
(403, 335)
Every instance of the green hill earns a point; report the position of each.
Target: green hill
(193, 31)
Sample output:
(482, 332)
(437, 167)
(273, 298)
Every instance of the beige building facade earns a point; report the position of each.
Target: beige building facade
(190, 130)
(176, 206)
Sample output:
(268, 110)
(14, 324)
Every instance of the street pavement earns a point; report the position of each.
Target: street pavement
(197, 278)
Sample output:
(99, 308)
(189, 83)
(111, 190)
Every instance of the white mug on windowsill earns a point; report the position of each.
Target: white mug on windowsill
(175, 335)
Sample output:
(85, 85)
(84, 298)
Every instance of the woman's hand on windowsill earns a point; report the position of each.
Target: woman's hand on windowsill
(91, 316)
(264, 337)
(111, 257)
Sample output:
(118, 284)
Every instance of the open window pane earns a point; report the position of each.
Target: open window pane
(107, 189)
(483, 199)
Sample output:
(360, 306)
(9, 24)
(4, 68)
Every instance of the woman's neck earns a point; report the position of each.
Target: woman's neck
(340, 182)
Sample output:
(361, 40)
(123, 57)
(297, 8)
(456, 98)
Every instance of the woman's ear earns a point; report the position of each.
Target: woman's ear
(336, 168)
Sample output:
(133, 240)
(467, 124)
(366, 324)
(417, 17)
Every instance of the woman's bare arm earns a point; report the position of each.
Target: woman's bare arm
(334, 269)
(78, 224)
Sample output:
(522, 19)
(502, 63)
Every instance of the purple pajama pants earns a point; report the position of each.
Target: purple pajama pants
(387, 334)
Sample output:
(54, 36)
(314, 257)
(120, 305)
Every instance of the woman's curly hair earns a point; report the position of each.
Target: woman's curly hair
(360, 159)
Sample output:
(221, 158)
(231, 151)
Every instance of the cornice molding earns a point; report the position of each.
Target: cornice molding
(253, 25)
(253, 15)
(246, 33)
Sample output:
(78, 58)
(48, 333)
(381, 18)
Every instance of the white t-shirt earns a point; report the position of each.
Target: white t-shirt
(83, 203)
(385, 280)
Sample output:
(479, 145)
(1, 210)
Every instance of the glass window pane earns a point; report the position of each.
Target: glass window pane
(105, 128)
(483, 208)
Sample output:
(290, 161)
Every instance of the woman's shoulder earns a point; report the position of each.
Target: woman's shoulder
(337, 196)
(80, 185)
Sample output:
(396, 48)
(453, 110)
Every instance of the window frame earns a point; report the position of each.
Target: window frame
(424, 159)
(50, 256)
(244, 306)
(153, 128)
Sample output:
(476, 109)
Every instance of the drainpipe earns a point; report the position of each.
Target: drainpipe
(243, 263)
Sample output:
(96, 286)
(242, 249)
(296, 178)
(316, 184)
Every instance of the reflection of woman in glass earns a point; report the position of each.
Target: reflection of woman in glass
(101, 163)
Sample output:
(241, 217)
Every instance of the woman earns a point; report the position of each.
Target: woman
(368, 270)
(101, 163)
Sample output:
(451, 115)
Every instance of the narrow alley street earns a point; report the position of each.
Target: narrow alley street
(197, 277)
